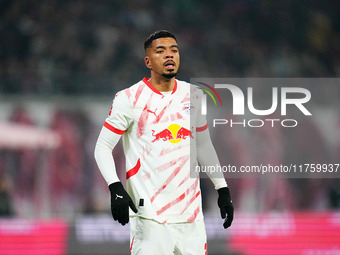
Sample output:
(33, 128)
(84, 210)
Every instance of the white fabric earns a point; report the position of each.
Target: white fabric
(207, 157)
(107, 140)
(149, 237)
(158, 134)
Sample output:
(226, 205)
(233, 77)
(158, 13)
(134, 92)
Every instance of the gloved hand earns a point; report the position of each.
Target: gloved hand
(226, 206)
(120, 203)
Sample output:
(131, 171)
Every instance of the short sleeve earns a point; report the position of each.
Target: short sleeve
(120, 116)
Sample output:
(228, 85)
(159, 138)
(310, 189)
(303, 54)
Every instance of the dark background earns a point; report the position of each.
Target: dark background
(61, 62)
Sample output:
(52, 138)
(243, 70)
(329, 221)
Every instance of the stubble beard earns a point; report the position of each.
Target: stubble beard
(169, 76)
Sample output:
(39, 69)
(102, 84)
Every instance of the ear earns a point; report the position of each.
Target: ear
(147, 62)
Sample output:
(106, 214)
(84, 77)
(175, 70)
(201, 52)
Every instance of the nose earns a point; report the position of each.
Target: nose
(169, 54)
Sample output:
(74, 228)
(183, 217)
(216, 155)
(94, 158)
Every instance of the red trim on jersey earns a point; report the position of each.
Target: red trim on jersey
(133, 170)
(175, 88)
(200, 129)
(146, 81)
(132, 243)
(113, 129)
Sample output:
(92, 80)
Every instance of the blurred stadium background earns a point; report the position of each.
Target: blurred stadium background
(61, 62)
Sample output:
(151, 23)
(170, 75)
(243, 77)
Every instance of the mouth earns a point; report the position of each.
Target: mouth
(169, 64)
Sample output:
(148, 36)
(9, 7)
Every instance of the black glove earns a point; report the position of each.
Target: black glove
(226, 206)
(120, 203)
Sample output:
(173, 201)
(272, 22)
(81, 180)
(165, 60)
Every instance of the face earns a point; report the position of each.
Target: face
(163, 57)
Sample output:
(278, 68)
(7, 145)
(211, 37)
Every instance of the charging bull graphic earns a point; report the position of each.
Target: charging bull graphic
(174, 134)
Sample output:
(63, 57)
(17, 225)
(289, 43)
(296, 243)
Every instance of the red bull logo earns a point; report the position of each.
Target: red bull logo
(174, 134)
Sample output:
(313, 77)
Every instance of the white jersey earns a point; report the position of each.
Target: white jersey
(158, 133)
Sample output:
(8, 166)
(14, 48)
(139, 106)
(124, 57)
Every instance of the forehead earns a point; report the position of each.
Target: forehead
(166, 42)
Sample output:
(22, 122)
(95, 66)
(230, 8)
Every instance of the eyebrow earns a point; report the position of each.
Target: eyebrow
(163, 47)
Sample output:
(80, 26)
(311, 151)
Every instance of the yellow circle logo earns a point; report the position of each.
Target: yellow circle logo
(174, 130)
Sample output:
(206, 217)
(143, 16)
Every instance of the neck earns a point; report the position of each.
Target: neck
(162, 84)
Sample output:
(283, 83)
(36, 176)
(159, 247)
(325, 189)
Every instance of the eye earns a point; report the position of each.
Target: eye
(159, 51)
(174, 51)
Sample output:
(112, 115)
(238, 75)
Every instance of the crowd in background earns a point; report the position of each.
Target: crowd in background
(87, 47)
(81, 48)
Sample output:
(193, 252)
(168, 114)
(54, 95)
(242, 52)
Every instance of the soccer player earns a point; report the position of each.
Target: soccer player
(164, 138)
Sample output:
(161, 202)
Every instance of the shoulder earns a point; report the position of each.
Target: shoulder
(195, 90)
(128, 94)
(183, 84)
(135, 87)
(189, 87)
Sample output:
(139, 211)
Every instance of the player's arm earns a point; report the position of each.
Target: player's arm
(109, 136)
(106, 142)
(207, 156)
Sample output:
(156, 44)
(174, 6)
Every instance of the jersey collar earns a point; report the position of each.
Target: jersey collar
(146, 81)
